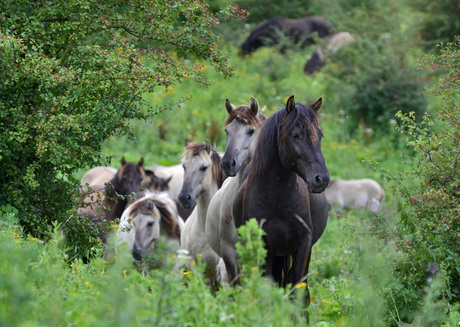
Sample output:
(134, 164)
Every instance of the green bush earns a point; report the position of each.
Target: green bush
(372, 78)
(73, 75)
(426, 234)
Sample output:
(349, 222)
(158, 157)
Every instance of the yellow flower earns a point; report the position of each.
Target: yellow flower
(186, 273)
(300, 285)
(254, 268)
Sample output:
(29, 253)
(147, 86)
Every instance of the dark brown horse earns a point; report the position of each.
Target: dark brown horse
(300, 31)
(109, 201)
(281, 190)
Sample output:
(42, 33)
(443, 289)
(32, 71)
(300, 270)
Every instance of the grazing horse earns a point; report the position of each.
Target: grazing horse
(356, 193)
(202, 178)
(287, 167)
(115, 194)
(332, 44)
(146, 220)
(300, 30)
(242, 127)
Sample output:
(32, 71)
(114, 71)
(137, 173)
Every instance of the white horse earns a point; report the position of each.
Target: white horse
(354, 194)
(202, 178)
(242, 128)
(146, 220)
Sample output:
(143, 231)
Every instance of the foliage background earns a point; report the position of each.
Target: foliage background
(398, 268)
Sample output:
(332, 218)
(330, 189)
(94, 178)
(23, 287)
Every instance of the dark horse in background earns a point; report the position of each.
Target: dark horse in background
(283, 190)
(300, 30)
(109, 200)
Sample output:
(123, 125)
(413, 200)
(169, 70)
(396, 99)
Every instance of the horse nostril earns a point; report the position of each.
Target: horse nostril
(318, 180)
(233, 163)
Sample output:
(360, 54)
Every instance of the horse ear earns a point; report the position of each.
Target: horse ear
(317, 104)
(141, 162)
(186, 142)
(254, 106)
(149, 173)
(290, 104)
(208, 146)
(123, 161)
(150, 204)
(229, 106)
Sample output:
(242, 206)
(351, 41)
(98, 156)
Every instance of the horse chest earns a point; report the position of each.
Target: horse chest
(280, 210)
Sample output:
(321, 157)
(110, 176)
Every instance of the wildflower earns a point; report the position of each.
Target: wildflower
(300, 285)
(186, 273)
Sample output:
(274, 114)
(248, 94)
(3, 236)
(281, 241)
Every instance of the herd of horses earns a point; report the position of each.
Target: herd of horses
(301, 32)
(272, 170)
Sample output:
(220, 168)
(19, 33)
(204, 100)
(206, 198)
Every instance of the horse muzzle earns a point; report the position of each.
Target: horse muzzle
(137, 253)
(186, 200)
(229, 167)
(319, 183)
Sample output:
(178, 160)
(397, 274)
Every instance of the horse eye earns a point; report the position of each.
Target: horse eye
(296, 135)
(150, 224)
(203, 168)
(251, 132)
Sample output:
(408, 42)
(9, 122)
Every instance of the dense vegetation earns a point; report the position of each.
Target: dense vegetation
(397, 268)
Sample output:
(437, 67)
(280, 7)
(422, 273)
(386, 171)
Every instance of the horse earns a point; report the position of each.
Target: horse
(152, 182)
(146, 220)
(352, 194)
(175, 176)
(300, 30)
(331, 45)
(288, 170)
(242, 127)
(102, 175)
(115, 194)
(202, 178)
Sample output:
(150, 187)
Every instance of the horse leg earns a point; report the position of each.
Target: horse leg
(278, 268)
(229, 255)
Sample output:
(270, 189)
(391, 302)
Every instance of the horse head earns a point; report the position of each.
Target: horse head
(242, 128)
(146, 224)
(129, 177)
(299, 144)
(198, 172)
(153, 182)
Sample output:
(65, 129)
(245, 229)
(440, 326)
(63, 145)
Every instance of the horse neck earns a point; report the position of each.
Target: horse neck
(276, 174)
(203, 201)
(117, 206)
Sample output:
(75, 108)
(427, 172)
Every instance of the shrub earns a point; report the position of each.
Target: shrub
(73, 75)
(427, 265)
